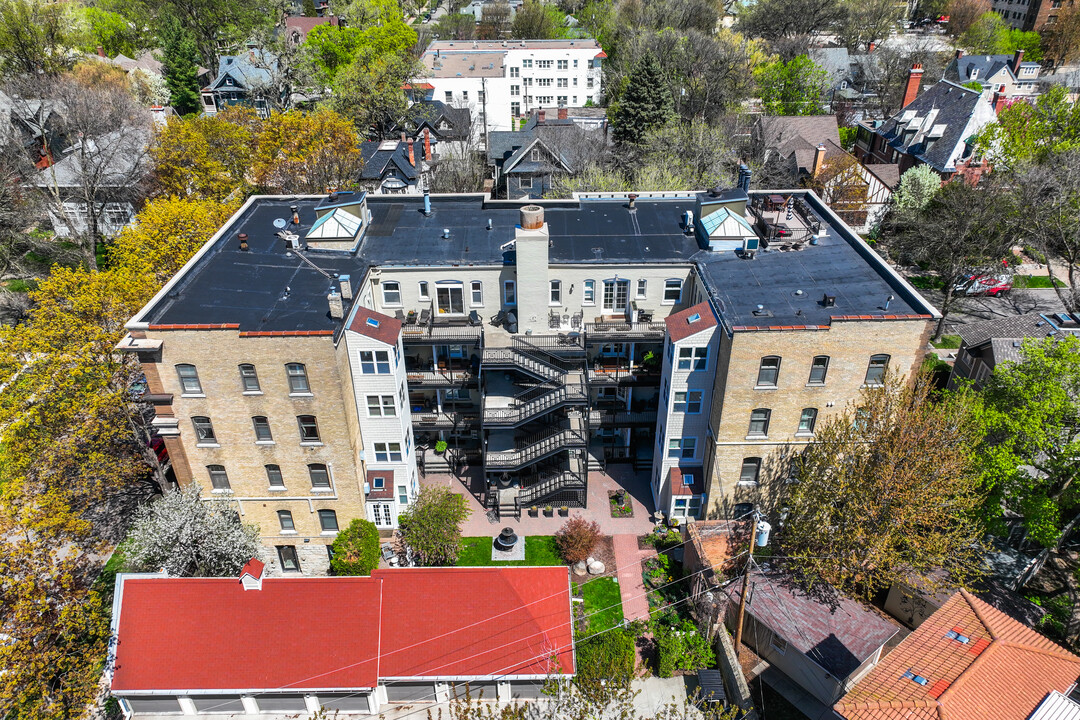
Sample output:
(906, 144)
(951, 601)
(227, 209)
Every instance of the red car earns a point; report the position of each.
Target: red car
(984, 285)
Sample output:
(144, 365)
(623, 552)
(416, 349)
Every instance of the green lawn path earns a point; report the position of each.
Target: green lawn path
(539, 550)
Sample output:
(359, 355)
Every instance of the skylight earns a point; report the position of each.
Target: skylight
(915, 678)
(693, 318)
(953, 635)
(373, 322)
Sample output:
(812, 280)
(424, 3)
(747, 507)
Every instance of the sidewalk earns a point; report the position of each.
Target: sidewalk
(631, 586)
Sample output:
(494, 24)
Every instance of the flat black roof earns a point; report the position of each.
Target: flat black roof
(267, 288)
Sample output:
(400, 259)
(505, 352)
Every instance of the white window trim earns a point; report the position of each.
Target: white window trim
(509, 284)
(554, 287)
(246, 392)
(423, 290)
(387, 303)
(472, 302)
(311, 443)
(584, 302)
(192, 395)
(208, 445)
(300, 395)
(265, 442)
(641, 289)
(663, 298)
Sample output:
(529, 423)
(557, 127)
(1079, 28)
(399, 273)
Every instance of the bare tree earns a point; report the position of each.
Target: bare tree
(867, 21)
(458, 167)
(884, 72)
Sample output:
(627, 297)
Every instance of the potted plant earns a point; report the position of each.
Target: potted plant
(534, 511)
(548, 511)
(564, 511)
(650, 362)
(673, 522)
(440, 447)
(620, 496)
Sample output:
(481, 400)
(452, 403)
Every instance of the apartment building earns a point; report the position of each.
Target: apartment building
(500, 81)
(320, 355)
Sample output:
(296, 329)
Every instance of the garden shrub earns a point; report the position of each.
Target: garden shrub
(680, 647)
(356, 549)
(577, 538)
(608, 656)
(431, 526)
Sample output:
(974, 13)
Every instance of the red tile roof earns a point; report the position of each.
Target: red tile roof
(473, 621)
(341, 632)
(1003, 672)
(254, 568)
(386, 329)
(387, 490)
(687, 481)
(679, 326)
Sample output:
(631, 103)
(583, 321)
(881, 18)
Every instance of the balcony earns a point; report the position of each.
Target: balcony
(442, 332)
(443, 420)
(621, 418)
(617, 330)
(439, 378)
(611, 372)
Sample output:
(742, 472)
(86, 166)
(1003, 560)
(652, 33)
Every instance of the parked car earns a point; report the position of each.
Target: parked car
(990, 285)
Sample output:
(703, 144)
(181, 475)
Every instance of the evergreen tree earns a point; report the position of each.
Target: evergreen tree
(645, 106)
(180, 65)
(309, 8)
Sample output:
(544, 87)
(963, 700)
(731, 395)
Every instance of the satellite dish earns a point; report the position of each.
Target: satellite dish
(280, 223)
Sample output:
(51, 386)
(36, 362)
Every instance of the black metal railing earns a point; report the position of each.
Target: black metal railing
(625, 330)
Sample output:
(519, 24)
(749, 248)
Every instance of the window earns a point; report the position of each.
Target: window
(423, 290)
(285, 519)
(693, 358)
(465, 96)
(189, 380)
(751, 469)
(476, 289)
(387, 452)
(375, 362)
(563, 82)
(682, 447)
(328, 521)
(320, 477)
(525, 182)
(219, 480)
(562, 65)
(298, 382)
(588, 83)
(688, 402)
(527, 63)
(309, 428)
(768, 372)
(273, 475)
(262, 429)
(391, 292)
(562, 101)
(381, 406)
(687, 507)
(575, 63)
(287, 558)
(616, 293)
(641, 288)
(779, 644)
(382, 513)
(807, 420)
(875, 372)
(544, 64)
(672, 291)
(588, 292)
(759, 422)
(249, 379)
(403, 494)
(819, 367)
(509, 292)
(515, 72)
(543, 82)
(449, 96)
(555, 287)
(515, 109)
(204, 431)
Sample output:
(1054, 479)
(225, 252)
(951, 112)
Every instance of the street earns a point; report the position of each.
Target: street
(1015, 302)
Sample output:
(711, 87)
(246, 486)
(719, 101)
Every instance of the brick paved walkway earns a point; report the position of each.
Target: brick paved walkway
(628, 560)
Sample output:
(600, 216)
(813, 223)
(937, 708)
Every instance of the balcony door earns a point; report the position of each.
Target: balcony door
(616, 293)
(450, 299)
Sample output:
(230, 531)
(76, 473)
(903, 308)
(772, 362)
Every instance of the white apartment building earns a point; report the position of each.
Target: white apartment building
(499, 81)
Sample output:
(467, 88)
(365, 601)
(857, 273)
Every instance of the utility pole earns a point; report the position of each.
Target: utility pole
(760, 537)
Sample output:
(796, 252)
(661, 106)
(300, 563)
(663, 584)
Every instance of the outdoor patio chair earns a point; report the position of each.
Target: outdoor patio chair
(474, 318)
(425, 316)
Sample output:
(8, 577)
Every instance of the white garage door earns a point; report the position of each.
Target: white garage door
(410, 692)
(217, 704)
(477, 690)
(345, 703)
(527, 689)
(158, 705)
(281, 703)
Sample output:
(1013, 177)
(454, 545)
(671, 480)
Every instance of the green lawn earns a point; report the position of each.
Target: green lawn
(1034, 281)
(947, 342)
(603, 598)
(539, 550)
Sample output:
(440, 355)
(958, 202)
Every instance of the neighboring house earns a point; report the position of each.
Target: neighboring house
(1030, 14)
(113, 167)
(967, 661)
(245, 80)
(525, 162)
(1008, 76)
(297, 646)
(34, 124)
(499, 81)
(809, 148)
(935, 128)
(297, 385)
(439, 128)
(297, 27)
(476, 7)
(985, 344)
(390, 166)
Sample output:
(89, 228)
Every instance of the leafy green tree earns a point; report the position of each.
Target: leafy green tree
(112, 32)
(309, 8)
(368, 90)
(356, 549)
(455, 26)
(431, 526)
(180, 66)
(888, 490)
(538, 20)
(1030, 42)
(1032, 132)
(917, 188)
(35, 37)
(215, 23)
(1032, 446)
(989, 35)
(645, 105)
(796, 87)
(329, 50)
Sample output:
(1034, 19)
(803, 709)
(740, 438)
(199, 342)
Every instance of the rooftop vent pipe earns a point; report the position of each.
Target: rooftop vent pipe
(446, 233)
(632, 200)
(427, 204)
(532, 217)
(243, 241)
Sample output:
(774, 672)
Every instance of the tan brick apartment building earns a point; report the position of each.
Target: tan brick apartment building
(307, 360)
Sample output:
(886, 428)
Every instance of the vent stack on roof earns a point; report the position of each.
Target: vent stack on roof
(532, 217)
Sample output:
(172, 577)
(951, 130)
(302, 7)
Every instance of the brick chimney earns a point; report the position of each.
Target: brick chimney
(999, 99)
(427, 144)
(540, 117)
(914, 79)
(101, 51)
(871, 47)
(562, 113)
(959, 53)
(412, 158)
(402, 136)
(819, 159)
(1017, 59)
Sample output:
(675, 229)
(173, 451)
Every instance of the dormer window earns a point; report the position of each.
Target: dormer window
(534, 156)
